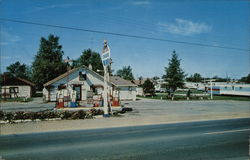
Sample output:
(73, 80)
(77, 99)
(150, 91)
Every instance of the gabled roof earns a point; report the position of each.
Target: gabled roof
(138, 82)
(115, 80)
(26, 81)
(10, 80)
(62, 76)
(118, 81)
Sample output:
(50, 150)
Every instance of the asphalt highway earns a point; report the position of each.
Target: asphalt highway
(204, 140)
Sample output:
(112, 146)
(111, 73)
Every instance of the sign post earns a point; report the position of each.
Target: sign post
(211, 88)
(106, 63)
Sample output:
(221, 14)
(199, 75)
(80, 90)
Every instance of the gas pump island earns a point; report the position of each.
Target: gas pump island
(71, 98)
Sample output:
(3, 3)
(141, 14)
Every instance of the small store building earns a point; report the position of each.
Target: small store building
(14, 87)
(86, 87)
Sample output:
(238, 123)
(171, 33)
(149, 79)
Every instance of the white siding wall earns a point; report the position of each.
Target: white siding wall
(127, 93)
(73, 78)
(23, 91)
(139, 91)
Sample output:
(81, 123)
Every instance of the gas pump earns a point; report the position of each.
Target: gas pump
(60, 100)
(73, 99)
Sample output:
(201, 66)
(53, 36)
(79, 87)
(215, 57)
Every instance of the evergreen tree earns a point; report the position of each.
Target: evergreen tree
(48, 62)
(174, 74)
(245, 79)
(148, 87)
(89, 57)
(194, 78)
(125, 73)
(19, 70)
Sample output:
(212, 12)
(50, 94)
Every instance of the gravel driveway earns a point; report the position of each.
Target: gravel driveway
(35, 105)
(150, 107)
(145, 112)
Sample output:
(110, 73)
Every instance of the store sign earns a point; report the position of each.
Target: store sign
(105, 55)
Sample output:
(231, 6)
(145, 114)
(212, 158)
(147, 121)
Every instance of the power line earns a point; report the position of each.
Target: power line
(124, 35)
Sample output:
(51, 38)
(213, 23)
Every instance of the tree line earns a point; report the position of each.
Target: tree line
(48, 63)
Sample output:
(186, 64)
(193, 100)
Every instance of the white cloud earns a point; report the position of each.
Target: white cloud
(184, 27)
(140, 3)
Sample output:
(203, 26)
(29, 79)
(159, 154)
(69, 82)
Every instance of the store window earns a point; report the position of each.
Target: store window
(14, 90)
(82, 76)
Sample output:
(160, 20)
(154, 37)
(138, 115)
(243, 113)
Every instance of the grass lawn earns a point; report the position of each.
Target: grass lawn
(179, 97)
(195, 91)
(236, 98)
(16, 99)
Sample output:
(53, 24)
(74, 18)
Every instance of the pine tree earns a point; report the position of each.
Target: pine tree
(48, 62)
(174, 74)
(148, 87)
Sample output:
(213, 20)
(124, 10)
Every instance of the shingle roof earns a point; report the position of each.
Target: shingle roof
(62, 76)
(10, 80)
(138, 82)
(26, 81)
(118, 81)
(115, 80)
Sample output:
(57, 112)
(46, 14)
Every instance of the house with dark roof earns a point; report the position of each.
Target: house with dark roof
(84, 85)
(139, 89)
(15, 87)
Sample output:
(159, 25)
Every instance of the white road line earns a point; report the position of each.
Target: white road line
(221, 132)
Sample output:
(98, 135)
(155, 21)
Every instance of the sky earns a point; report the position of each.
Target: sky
(220, 23)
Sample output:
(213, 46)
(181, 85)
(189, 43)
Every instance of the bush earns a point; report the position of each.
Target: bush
(18, 115)
(9, 116)
(32, 115)
(65, 115)
(82, 114)
(1, 115)
(95, 112)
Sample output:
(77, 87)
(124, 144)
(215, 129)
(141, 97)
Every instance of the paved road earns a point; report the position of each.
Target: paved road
(221, 139)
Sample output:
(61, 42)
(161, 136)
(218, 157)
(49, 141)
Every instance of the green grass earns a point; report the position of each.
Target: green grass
(179, 97)
(235, 98)
(194, 91)
(16, 100)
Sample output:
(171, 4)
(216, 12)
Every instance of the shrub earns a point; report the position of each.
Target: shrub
(65, 115)
(19, 115)
(95, 112)
(74, 115)
(31, 115)
(82, 114)
(1, 115)
(9, 116)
